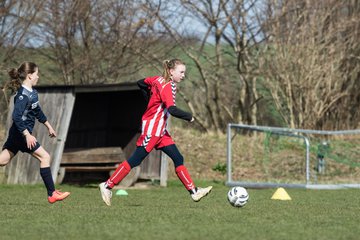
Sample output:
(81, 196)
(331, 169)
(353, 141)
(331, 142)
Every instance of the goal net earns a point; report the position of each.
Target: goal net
(259, 156)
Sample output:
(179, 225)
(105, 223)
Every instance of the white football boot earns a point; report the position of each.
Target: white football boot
(200, 193)
(106, 194)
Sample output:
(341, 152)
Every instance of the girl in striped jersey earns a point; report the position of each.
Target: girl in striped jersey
(160, 92)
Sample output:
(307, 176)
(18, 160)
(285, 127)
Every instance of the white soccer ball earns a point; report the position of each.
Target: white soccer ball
(238, 196)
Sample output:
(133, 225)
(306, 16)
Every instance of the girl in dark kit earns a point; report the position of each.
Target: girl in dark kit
(160, 92)
(26, 110)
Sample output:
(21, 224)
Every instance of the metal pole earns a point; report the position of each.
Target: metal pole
(307, 142)
(228, 156)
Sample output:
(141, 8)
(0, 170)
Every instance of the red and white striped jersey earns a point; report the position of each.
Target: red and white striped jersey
(162, 96)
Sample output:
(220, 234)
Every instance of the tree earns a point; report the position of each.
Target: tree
(94, 41)
(16, 19)
(222, 56)
(311, 62)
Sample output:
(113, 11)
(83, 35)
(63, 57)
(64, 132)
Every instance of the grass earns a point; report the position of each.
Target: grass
(169, 213)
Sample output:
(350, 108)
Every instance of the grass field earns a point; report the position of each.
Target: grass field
(169, 213)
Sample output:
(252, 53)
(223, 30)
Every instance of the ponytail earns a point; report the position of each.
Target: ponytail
(14, 83)
(170, 64)
(17, 75)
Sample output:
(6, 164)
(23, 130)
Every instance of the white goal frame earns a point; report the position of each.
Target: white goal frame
(297, 133)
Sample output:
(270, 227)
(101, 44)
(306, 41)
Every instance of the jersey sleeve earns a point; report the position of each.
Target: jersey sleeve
(20, 104)
(144, 88)
(168, 95)
(40, 114)
(177, 112)
(149, 80)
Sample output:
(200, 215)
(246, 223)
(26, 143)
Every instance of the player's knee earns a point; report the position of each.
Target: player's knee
(45, 158)
(134, 163)
(178, 160)
(3, 162)
(4, 159)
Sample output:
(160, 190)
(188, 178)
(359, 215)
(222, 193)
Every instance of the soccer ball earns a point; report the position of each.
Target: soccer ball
(238, 196)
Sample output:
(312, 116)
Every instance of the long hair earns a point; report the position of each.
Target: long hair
(170, 64)
(18, 75)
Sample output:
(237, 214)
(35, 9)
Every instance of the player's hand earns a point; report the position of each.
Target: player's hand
(30, 141)
(52, 133)
(192, 119)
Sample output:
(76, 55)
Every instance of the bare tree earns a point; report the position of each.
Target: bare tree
(16, 19)
(111, 41)
(95, 41)
(312, 63)
(223, 89)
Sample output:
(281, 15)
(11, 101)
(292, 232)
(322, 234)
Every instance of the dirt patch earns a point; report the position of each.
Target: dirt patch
(201, 152)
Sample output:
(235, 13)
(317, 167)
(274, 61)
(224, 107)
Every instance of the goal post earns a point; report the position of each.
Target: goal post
(311, 165)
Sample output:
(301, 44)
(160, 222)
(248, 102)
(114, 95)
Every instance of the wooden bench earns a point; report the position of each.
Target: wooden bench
(92, 159)
(95, 160)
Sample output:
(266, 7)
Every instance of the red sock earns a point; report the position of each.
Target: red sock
(121, 171)
(184, 176)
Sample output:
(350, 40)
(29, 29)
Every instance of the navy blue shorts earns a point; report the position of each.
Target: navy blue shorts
(17, 142)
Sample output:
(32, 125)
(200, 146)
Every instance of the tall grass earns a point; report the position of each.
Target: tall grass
(169, 213)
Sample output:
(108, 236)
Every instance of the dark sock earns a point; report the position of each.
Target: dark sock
(48, 181)
(193, 191)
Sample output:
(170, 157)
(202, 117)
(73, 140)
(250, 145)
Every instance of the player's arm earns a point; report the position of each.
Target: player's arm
(178, 113)
(168, 98)
(43, 119)
(19, 109)
(145, 89)
(21, 102)
(40, 116)
(52, 132)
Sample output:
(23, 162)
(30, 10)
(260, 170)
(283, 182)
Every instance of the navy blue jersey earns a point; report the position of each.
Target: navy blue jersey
(26, 110)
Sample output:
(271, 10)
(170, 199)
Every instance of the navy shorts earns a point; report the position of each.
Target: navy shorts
(17, 142)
